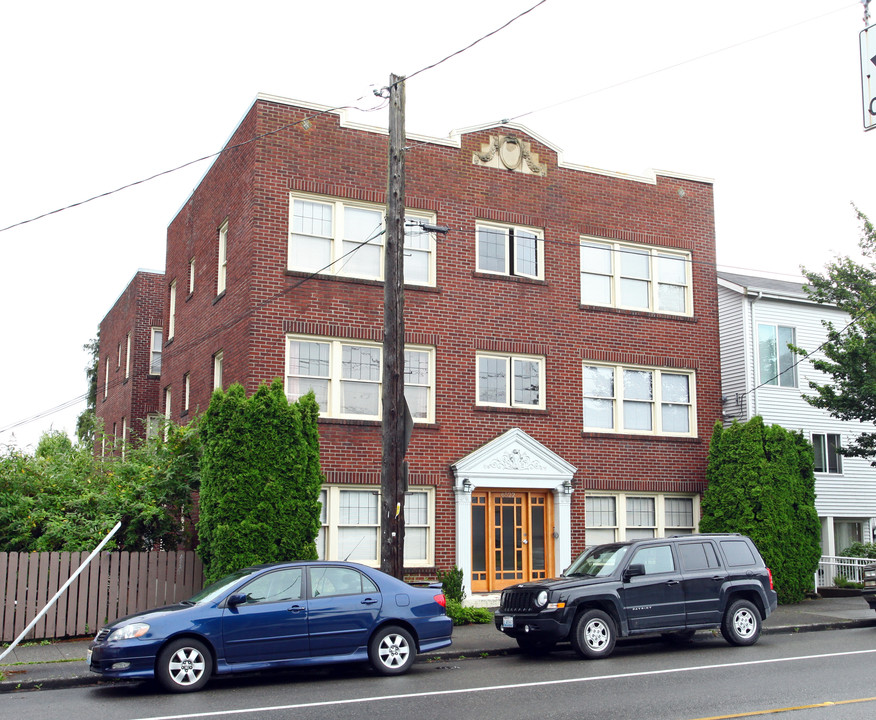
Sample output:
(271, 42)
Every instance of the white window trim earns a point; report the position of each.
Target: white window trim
(155, 348)
(106, 377)
(222, 269)
(660, 529)
(509, 380)
(128, 356)
(333, 409)
(191, 276)
(654, 252)
(775, 381)
(167, 411)
(333, 512)
(218, 363)
(337, 265)
(412, 218)
(171, 324)
(186, 391)
(826, 450)
(656, 400)
(509, 271)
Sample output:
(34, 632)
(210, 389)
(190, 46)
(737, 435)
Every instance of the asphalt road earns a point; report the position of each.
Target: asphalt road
(805, 676)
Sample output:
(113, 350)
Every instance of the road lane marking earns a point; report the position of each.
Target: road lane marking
(512, 686)
(775, 711)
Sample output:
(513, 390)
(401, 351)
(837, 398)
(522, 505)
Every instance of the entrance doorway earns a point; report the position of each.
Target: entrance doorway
(512, 538)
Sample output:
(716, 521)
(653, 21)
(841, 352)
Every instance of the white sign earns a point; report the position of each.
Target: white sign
(868, 75)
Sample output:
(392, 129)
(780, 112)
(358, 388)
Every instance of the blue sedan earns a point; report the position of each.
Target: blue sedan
(277, 616)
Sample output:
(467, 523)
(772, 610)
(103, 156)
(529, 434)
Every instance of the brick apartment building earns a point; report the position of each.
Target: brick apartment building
(129, 365)
(561, 344)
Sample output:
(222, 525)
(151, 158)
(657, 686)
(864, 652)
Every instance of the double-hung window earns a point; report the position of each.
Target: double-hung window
(222, 262)
(635, 277)
(505, 250)
(638, 400)
(630, 516)
(419, 250)
(776, 360)
(155, 351)
(171, 312)
(510, 380)
(336, 238)
(350, 525)
(827, 456)
(346, 377)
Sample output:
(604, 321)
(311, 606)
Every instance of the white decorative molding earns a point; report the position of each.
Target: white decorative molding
(510, 153)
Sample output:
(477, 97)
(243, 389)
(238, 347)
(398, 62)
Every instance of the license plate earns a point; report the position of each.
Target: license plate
(88, 657)
(508, 621)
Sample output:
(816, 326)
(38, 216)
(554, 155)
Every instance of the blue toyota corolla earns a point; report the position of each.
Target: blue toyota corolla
(277, 616)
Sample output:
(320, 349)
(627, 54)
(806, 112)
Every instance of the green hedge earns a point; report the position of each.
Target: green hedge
(761, 484)
(260, 479)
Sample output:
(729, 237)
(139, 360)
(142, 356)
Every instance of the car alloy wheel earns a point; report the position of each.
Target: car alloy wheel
(391, 650)
(184, 665)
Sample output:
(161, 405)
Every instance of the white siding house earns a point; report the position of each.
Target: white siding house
(758, 317)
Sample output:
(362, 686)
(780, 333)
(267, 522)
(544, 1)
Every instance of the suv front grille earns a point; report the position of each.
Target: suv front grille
(518, 601)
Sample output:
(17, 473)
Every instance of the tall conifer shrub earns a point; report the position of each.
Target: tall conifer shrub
(761, 484)
(260, 479)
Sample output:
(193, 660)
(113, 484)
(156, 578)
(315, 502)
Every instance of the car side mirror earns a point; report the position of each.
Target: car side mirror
(235, 600)
(633, 570)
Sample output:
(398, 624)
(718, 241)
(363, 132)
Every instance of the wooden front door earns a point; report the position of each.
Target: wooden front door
(512, 538)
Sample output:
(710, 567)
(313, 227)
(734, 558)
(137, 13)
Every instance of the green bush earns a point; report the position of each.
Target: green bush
(860, 550)
(451, 580)
(62, 498)
(260, 480)
(761, 484)
(841, 581)
(467, 615)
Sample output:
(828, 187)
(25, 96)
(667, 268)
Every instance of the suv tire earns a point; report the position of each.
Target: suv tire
(594, 634)
(741, 623)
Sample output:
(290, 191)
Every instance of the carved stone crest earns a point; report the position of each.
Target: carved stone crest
(515, 459)
(510, 153)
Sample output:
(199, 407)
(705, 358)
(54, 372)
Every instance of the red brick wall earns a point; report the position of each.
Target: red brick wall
(139, 308)
(465, 313)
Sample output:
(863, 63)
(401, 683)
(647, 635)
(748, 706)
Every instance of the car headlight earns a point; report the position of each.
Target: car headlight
(541, 599)
(127, 632)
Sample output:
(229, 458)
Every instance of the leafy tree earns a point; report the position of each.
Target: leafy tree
(87, 422)
(761, 484)
(260, 479)
(63, 498)
(848, 357)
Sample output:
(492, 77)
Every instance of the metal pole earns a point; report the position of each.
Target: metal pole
(61, 591)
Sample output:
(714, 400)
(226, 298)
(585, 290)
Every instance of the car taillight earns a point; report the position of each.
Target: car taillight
(441, 600)
(770, 572)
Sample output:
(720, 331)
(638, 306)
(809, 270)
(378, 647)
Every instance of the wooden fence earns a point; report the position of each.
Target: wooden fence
(112, 586)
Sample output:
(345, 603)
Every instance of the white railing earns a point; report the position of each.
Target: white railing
(833, 566)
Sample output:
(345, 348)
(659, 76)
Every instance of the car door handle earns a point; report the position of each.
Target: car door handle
(672, 582)
(296, 608)
(369, 601)
(717, 578)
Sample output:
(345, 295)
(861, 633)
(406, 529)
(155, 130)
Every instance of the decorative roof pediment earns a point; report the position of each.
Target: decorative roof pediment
(509, 152)
(514, 454)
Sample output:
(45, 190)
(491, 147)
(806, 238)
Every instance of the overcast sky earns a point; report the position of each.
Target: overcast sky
(762, 96)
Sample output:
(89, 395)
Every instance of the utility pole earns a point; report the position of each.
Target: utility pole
(392, 470)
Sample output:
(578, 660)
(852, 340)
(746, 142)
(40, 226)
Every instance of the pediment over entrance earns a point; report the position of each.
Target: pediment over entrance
(514, 459)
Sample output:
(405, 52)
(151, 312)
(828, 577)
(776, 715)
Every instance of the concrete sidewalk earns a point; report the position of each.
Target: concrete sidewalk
(62, 663)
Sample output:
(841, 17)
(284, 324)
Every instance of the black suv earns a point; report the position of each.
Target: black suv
(674, 585)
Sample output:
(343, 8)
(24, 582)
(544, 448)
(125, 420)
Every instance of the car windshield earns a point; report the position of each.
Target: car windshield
(598, 561)
(218, 588)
